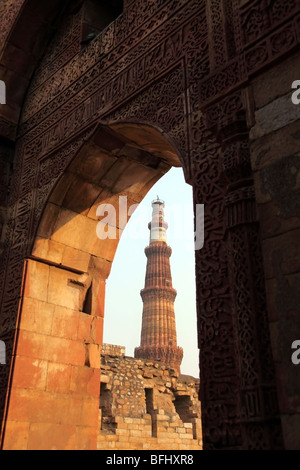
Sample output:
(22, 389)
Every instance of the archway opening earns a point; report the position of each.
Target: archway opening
(123, 307)
(61, 320)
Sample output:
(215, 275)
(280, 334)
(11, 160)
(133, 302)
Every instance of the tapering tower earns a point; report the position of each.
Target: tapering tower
(158, 336)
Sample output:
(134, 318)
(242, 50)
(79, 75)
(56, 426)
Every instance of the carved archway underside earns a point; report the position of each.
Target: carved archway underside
(60, 325)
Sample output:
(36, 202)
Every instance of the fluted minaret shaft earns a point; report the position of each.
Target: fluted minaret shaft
(158, 336)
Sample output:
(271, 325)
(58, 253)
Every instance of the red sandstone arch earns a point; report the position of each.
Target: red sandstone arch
(55, 387)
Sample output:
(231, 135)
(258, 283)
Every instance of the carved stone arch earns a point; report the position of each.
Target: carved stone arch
(168, 114)
(66, 261)
(120, 159)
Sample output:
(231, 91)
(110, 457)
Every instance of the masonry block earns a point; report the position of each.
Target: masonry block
(36, 316)
(37, 279)
(48, 250)
(65, 323)
(45, 436)
(58, 377)
(30, 373)
(85, 381)
(17, 435)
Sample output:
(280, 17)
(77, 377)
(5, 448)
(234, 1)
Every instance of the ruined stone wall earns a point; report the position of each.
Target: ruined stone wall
(145, 405)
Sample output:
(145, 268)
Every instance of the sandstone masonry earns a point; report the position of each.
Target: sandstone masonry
(146, 405)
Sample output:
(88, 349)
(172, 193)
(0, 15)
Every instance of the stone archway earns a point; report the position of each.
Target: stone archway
(54, 391)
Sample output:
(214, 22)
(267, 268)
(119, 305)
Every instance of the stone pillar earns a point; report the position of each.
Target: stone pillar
(238, 389)
(276, 165)
(258, 396)
(158, 336)
(218, 356)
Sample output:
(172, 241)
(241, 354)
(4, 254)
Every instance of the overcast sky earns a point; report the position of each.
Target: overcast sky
(123, 311)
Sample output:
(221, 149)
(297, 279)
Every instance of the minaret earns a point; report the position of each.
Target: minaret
(158, 336)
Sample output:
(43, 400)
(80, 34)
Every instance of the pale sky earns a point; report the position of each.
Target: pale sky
(124, 306)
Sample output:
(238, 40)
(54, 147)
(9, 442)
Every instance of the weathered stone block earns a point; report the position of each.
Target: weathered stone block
(37, 279)
(64, 351)
(135, 432)
(37, 316)
(181, 429)
(81, 195)
(273, 221)
(32, 345)
(76, 231)
(268, 86)
(17, 435)
(93, 164)
(93, 352)
(48, 250)
(273, 147)
(282, 255)
(89, 412)
(26, 409)
(279, 113)
(44, 436)
(185, 436)
(65, 323)
(30, 373)
(85, 381)
(99, 298)
(188, 425)
(47, 224)
(63, 289)
(279, 183)
(76, 259)
(86, 438)
(58, 377)
(85, 327)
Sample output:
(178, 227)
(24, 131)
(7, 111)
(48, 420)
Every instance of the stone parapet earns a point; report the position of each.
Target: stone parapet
(113, 350)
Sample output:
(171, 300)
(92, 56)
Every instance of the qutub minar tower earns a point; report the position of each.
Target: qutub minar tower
(158, 335)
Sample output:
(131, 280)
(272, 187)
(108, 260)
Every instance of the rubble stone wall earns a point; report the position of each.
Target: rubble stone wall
(145, 405)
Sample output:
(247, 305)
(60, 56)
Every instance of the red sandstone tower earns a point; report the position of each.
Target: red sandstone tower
(158, 336)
